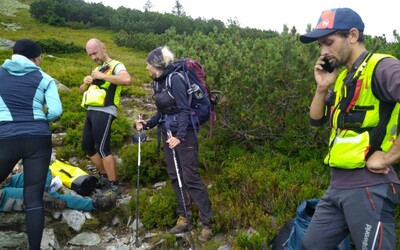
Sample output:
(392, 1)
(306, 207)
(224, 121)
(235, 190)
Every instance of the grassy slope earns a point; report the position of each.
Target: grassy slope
(68, 65)
(69, 69)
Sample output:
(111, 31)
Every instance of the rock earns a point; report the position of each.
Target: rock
(75, 219)
(85, 239)
(11, 7)
(12, 221)
(13, 240)
(133, 225)
(61, 86)
(5, 43)
(49, 240)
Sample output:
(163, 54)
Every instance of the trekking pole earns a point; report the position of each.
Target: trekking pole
(137, 243)
(180, 187)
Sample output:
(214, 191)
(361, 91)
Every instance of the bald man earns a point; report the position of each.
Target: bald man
(110, 75)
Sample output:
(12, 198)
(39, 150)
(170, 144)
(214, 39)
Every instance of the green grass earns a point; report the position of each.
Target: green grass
(69, 69)
(261, 190)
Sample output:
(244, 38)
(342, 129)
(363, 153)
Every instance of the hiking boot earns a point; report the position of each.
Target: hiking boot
(180, 227)
(205, 234)
(104, 203)
(112, 190)
(52, 203)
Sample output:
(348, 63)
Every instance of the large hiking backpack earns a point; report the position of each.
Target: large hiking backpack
(192, 72)
(199, 95)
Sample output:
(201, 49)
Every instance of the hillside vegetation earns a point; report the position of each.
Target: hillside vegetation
(263, 159)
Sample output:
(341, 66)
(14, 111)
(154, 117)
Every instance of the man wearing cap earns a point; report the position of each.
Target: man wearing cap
(361, 104)
(29, 100)
(110, 75)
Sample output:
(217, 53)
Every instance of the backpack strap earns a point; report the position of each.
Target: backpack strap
(166, 120)
(185, 77)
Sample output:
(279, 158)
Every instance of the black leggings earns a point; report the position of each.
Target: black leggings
(35, 153)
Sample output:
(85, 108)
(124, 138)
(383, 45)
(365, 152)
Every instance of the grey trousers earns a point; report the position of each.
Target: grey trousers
(193, 187)
(366, 213)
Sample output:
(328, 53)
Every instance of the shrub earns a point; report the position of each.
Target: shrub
(152, 167)
(72, 144)
(157, 208)
(70, 120)
(52, 45)
(139, 41)
(251, 240)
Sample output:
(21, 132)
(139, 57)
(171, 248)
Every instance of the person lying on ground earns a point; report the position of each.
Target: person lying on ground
(11, 197)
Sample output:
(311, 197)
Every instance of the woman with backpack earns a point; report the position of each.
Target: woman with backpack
(179, 136)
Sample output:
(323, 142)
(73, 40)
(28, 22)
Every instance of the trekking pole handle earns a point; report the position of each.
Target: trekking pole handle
(140, 118)
(141, 122)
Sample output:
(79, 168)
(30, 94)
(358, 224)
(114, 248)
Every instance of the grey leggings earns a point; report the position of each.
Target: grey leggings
(366, 213)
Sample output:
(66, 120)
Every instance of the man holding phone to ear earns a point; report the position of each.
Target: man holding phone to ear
(361, 104)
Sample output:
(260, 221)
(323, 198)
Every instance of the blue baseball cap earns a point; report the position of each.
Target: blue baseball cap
(332, 20)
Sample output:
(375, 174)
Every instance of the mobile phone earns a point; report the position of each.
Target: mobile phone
(104, 68)
(327, 66)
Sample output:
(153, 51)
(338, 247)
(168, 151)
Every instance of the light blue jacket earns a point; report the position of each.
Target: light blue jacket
(28, 99)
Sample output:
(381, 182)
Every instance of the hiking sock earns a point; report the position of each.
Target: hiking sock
(115, 187)
(103, 177)
(114, 183)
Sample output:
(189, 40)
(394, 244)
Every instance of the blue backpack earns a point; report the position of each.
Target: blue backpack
(202, 107)
(291, 235)
(201, 100)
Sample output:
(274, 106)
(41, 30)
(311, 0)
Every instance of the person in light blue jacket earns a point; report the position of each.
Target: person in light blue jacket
(29, 100)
